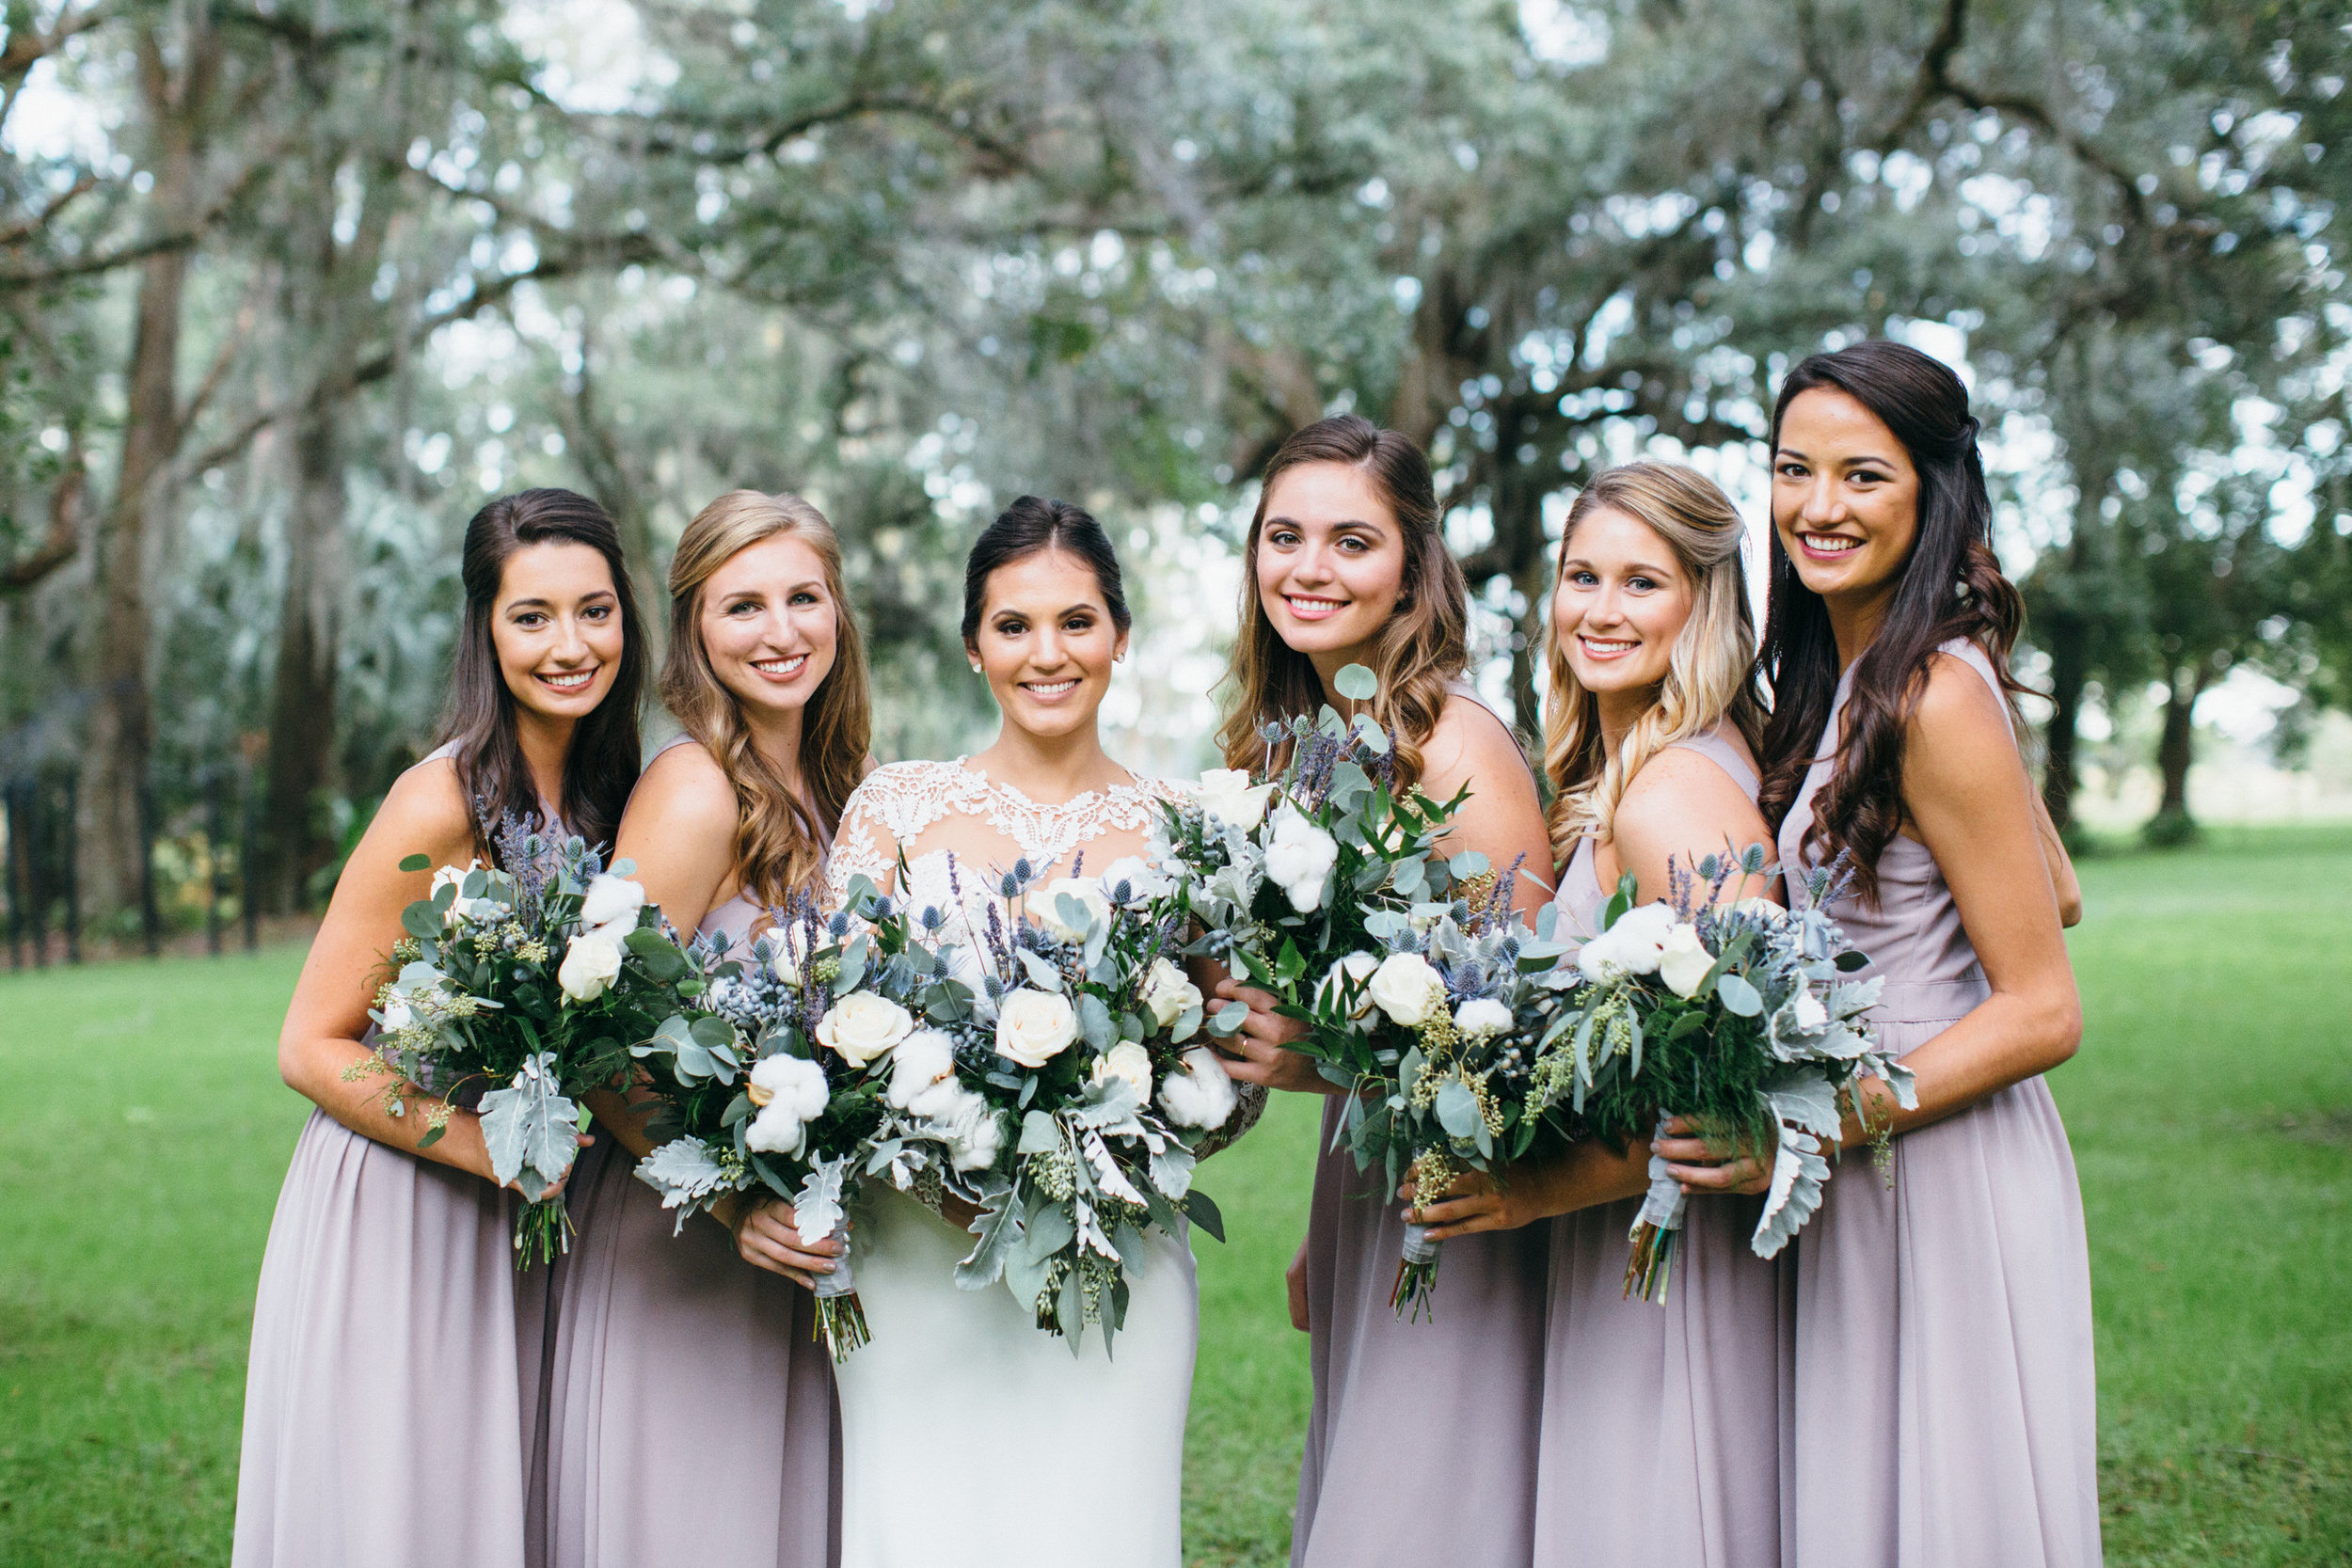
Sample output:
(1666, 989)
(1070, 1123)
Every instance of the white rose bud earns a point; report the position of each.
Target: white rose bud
(1356, 967)
(924, 1058)
(1407, 988)
(1130, 1061)
(861, 1026)
(1034, 1026)
(591, 963)
(1199, 1093)
(1045, 906)
(609, 899)
(1683, 961)
(1300, 860)
(786, 963)
(1167, 992)
(1226, 794)
(1482, 1016)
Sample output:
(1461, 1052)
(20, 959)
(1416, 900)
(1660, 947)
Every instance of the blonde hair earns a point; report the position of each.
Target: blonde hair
(1710, 671)
(776, 845)
(1423, 649)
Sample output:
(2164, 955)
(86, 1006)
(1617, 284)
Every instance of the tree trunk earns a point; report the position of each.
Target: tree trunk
(301, 755)
(2176, 745)
(2068, 641)
(121, 735)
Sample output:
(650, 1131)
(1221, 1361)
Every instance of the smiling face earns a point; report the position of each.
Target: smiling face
(1845, 497)
(769, 625)
(556, 627)
(1330, 562)
(1046, 642)
(1622, 602)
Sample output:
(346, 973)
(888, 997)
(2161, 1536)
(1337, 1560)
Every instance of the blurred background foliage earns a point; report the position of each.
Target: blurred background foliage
(288, 289)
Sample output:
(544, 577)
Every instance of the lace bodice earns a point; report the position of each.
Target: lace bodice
(896, 806)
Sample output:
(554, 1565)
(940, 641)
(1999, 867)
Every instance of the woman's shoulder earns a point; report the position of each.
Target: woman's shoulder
(912, 776)
(1468, 740)
(1963, 689)
(425, 810)
(683, 775)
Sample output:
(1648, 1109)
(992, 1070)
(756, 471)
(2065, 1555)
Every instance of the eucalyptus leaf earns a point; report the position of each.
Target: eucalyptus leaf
(1356, 683)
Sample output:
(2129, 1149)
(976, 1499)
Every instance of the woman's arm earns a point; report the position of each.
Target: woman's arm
(1967, 796)
(2062, 882)
(319, 1046)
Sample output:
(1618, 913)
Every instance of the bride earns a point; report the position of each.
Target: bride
(969, 1436)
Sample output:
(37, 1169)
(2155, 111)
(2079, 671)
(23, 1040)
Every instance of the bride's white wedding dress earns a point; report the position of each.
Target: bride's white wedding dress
(970, 1438)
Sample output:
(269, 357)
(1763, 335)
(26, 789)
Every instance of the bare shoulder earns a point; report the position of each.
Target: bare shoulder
(684, 777)
(1681, 800)
(1468, 742)
(1960, 722)
(424, 813)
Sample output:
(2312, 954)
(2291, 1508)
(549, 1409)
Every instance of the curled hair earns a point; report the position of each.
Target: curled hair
(1422, 650)
(778, 844)
(601, 764)
(1709, 672)
(1030, 527)
(1950, 587)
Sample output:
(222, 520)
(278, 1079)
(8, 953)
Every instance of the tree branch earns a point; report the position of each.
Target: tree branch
(64, 538)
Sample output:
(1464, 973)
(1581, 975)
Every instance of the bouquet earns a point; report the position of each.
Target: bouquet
(769, 1075)
(1285, 875)
(504, 998)
(1439, 1032)
(1732, 1015)
(1067, 1103)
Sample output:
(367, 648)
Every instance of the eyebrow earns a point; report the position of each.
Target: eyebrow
(1641, 567)
(754, 593)
(1094, 605)
(1365, 524)
(1866, 457)
(550, 604)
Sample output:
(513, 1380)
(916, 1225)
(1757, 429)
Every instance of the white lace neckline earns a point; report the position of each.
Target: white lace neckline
(1081, 801)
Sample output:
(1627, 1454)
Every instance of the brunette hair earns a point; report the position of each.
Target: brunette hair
(777, 843)
(1710, 671)
(1028, 527)
(1951, 587)
(1423, 649)
(601, 765)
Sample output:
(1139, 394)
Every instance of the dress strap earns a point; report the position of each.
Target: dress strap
(1717, 748)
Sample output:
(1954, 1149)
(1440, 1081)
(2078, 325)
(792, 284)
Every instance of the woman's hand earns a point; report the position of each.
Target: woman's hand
(1258, 1052)
(1473, 1203)
(1295, 1277)
(1701, 1167)
(766, 1234)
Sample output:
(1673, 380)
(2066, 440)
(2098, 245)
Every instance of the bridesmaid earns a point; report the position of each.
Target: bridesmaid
(393, 1398)
(1944, 1406)
(1346, 565)
(1649, 744)
(692, 1415)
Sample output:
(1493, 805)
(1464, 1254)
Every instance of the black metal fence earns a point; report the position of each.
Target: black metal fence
(197, 862)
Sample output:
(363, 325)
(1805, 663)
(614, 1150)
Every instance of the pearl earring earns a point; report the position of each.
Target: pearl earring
(975, 668)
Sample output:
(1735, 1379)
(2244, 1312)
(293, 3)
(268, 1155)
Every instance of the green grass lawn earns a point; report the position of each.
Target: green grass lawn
(144, 1134)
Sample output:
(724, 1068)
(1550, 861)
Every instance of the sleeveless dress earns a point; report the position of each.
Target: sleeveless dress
(1420, 1444)
(970, 1438)
(690, 1407)
(393, 1397)
(1662, 1424)
(1945, 1404)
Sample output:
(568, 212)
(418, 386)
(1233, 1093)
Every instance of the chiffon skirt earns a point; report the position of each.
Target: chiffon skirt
(1420, 1446)
(691, 1409)
(1945, 1406)
(1664, 1423)
(392, 1397)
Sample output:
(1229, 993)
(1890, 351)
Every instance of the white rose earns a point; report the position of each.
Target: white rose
(791, 1092)
(860, 1026)
(461, 910)
(590, 964)
(1407, 988)
(1045, 906)
(784, 963)
(397, 1016)
(1482, 1016)
(1356, 967)
(1300, 860)
(1198, 1094)
(610, 898)
(1130, 1061)
(1632, 947)
(1145, 881)
(923, 1058)
(1167, 992)
(1226, 794)
(1683, 961)
(1761, 908)
(1034, 1026)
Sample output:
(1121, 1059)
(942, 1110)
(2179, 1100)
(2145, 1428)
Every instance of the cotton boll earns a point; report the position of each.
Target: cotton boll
(610, 898)
(794, 1082)
(1199, 1093)
(1300, 860)
(776, 1130)
(1483, 1016)
(924, 1058)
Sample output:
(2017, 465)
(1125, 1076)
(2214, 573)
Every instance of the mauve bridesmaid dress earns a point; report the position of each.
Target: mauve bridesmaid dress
(692, 1421)
(393, 1400)
(1421, 1445)
(1663, 1424)
(1944, 1403)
